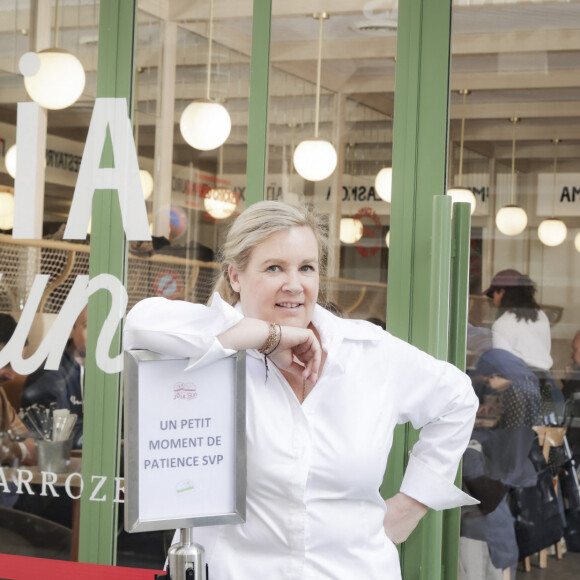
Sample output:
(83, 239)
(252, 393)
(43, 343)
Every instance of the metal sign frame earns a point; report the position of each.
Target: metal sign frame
(207, 387)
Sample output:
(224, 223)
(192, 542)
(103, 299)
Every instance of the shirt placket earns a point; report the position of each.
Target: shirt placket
(297, 519)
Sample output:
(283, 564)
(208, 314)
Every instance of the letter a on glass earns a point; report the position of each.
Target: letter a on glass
(109, 121)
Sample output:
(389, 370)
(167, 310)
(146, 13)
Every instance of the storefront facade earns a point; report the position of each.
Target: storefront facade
(487, 98)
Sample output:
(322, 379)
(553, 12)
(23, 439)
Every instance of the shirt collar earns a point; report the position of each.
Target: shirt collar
(332, 328)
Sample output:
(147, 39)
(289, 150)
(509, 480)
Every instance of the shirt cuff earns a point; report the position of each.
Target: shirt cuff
(214, 353)
(431, 489)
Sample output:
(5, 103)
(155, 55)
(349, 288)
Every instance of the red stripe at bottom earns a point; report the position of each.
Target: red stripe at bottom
(26, 568)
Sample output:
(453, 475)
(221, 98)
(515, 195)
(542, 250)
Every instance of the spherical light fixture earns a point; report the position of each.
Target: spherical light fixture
(220, 203)
(384, 183)
(56, 80)
(146, 183)
(315, 159)
(462, 194)
(6, 210)
(388, 239)
(10, 161)
(459, 193)
(577, 242)
(205, 124)
(552, 232)
(351, 230)
(511, 220)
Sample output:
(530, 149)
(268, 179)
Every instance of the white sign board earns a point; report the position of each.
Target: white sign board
(561, 198)
(185, 459)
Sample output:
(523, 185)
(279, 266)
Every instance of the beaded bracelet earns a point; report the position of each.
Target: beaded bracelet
(273, 340)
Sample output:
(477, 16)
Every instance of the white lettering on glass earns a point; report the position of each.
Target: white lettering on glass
(110, 120)
(53, 344)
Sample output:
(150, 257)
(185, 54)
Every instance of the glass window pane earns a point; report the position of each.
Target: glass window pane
(354, 114)
(520, 149)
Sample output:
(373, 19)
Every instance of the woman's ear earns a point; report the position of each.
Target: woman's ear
(234, 277)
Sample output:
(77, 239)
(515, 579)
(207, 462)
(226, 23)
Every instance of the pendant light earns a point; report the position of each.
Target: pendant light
(384, 183)
(552, 231)
(511, 219)
(10, 161)
(6, 210)
(315, 159)
(53, 78)
(459, 193)
(206, 124)
(351, 230)
(220, 202)
(144, 175)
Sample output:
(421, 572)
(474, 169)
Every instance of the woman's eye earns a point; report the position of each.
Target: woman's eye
(273, 268)
(307, 268)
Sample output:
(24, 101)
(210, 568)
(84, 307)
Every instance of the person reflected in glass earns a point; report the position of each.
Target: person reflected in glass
(64, 386)
(323, 397)
(522, 328)
(16, 446)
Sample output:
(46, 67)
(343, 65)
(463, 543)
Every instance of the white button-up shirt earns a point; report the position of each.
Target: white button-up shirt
(314, 470)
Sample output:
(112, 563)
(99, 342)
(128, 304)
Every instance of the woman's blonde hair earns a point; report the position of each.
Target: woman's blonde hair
(253, 226)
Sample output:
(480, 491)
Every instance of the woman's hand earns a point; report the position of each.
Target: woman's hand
(299, 351)
(403, 515)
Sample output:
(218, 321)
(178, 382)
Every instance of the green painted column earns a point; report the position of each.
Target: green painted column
(456, 355)
(420, 146)
(102, 424)
(256, 162)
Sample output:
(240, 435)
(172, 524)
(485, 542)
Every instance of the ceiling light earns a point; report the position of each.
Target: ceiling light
(388, 239)
(205, 124)
(10, 161)
(577, 242)
(511, 219)
(351, 230)
(146, 183)
(53, 78)
(220, 203)
(384, 183)
(6, 210)
(553, 231)
(462, 194)
(315, 159)
(60, 79)
(459, 193)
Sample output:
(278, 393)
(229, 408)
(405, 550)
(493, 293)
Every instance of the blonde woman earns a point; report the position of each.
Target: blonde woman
(324, 395)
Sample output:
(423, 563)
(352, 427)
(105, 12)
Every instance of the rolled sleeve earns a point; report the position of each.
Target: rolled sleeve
(431, 488)
(442, 404)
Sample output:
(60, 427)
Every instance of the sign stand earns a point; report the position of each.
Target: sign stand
(185, 450)
(187, 559)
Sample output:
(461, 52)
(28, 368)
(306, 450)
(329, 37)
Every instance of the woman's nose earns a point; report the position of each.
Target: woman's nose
(292, 283)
